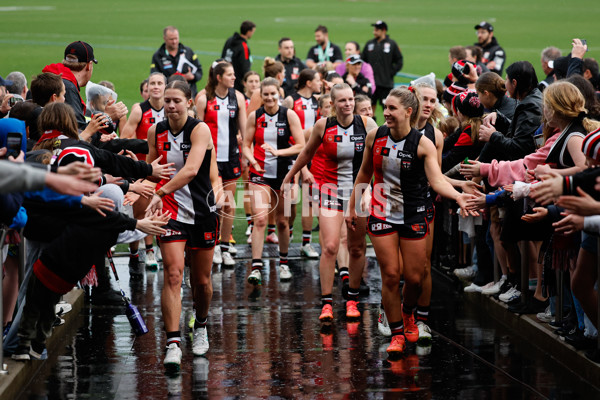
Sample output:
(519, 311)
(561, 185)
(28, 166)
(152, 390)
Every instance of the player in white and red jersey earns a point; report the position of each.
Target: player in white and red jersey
(306, 106)
(143, 116)
(224, 111)
(342, 137)
(251, 84)
(188, 195)
(269, 148)
(402, 161)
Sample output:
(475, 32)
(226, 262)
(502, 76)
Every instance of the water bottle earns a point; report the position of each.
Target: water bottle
(135, 318)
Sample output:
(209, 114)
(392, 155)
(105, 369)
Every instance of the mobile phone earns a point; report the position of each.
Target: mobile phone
(14, 100)
(584, 42)
(14, 142)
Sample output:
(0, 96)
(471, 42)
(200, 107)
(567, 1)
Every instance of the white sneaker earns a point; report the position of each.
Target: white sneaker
(545, 316)
(510, 295)
(255, 277)
(494, 289)
(284, 273)
(424, 334)
(382, 323)
(200, 343)
(62, 308)
(172, 356)
(272, 238)
(249, 241)
(151, 262)
(465, 273)
(472, 288)
(158, 253)
(217, 256)
(248, 231)
(227, 259)
(232, 250)
(309, 252)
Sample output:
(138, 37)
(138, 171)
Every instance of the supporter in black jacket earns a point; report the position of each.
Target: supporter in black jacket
(292, 64)
(493, 55)
(511, 139)
(237, 52)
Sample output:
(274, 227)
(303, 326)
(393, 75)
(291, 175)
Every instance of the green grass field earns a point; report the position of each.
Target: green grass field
(125, 34)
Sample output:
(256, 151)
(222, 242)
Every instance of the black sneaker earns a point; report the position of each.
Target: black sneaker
(37, 350)
(567, 330)
(106, 297)
(532, 306)
(21, 354)
(580, 341)
(136, 268)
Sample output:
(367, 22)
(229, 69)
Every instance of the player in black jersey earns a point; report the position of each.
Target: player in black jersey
(402, 162)
(188, 195)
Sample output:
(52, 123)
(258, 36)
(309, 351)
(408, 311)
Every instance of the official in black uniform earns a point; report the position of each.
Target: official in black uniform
(174, 58)
(493, 55)
(385, 57)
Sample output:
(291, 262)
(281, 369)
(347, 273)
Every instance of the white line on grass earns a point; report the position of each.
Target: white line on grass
(31, 8)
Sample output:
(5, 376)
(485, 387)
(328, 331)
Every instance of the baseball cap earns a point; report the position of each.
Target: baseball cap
(80, 52)
(485, 25)
(4, 82)
(380, 25)
(354, 59)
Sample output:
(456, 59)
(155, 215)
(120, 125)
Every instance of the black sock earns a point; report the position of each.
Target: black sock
(173, 337)
(409, 310)
(344, 274)
(257, 264)
(291, 231)
(149, 247)
(200, 322)
(224, 246)
(133, 253)
(422, 313)
(326, 299)
(270, 229)
(249, 219)
(353, 294)
(283, 258)
(397, 328)
(306, 236)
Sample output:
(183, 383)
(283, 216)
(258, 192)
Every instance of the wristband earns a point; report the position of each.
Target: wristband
(160, 193)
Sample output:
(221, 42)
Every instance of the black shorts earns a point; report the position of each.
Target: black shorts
(197, 236)
(378, 227)
(381, 93)
(430, 213)
(331, 198)
(273, 183)
(230, 170)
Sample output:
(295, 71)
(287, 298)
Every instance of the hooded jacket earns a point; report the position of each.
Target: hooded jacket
(493, 52)
(72, 96)
(237, 52)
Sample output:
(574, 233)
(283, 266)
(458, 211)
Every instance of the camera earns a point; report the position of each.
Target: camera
(14, 100)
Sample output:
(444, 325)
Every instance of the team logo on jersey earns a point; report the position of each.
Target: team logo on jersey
(378, 150)
(152, 120)
(418, 228)
(385, 151)
(165, 146)
(209, 235)
(281, 131)
(236, 170)
(338, 138)
(304, 106)
(171, 232)
(386, 47)
(359, 146)
(406, 164)
(357, 138)
(280, 124)
(263, 124)
(217, 107)
(370, 47)
(329, 138)
(231, 113)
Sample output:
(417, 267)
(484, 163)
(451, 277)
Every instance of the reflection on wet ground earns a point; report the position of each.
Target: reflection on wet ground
(269, 344)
